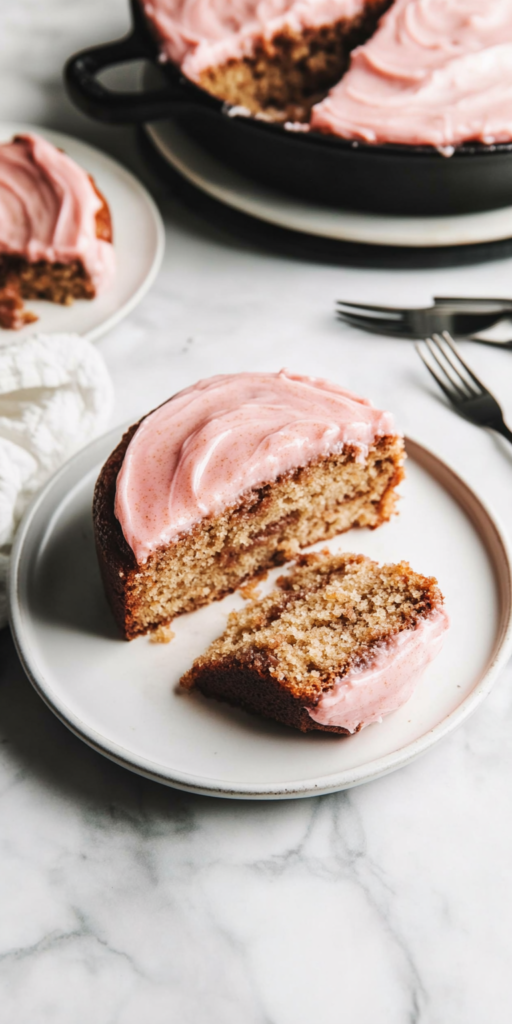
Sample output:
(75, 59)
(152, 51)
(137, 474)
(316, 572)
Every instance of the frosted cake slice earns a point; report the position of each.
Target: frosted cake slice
(340, 644)
(231, 477)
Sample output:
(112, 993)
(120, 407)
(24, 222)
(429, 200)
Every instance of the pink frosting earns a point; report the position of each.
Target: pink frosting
(436, 72)
(366, 694)
(48, 208)
(195, 455)
(203, 33)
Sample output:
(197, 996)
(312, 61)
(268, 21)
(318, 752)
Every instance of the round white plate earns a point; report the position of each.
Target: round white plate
(139, 241)
(122, 698)
(231, 187)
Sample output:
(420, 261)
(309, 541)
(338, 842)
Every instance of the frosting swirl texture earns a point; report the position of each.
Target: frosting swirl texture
(48, 208)
(203, 33)
(435, 72)
(200, 451)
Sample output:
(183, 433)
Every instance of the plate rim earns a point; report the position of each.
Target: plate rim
(358, 226)
(321, 785)
(62, 138)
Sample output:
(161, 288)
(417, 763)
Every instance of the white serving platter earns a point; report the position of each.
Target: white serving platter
(229, 186)
(139, 241)
(122, 698)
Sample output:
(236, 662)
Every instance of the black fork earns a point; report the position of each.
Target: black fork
(461, 386)
(458, 316)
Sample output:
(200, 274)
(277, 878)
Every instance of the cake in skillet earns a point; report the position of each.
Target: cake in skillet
(429, 72)
(272, 57)
(231, 477)
(434, 73)
(340, 644)
(55, 229)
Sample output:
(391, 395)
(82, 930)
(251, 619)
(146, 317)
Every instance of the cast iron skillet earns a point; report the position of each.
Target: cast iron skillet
(321, 168)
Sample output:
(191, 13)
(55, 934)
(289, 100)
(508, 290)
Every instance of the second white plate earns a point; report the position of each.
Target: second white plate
(139, 241)
(229, 186)
(122, 698)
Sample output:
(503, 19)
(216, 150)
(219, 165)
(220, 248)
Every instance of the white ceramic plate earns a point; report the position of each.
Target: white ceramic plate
(139, 240)
(122, 698)
(234, 189)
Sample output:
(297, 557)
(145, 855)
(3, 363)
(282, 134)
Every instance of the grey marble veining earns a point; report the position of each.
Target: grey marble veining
(121, 900)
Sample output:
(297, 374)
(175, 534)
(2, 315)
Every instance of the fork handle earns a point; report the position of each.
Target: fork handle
(502, 429)
(462, 304)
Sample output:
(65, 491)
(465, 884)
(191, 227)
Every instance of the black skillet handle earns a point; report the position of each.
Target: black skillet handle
(80, 76)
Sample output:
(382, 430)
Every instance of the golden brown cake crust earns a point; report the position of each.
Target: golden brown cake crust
(115, 556)
(222, 552)
(103, 217)
(253, 689)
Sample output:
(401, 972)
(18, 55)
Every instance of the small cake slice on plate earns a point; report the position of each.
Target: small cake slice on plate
(55, 229)
(230, 478)
(340, 644)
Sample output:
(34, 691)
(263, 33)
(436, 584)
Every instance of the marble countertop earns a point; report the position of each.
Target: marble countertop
(121, 900)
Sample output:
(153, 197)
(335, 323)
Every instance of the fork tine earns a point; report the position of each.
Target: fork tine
(449, 341)
(434, 349)
(450, 356)
(393, 328)
(390, 311)
(452, 397)
(373, 323)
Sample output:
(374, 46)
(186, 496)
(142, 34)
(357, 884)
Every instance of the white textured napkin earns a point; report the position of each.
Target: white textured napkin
(55, 396)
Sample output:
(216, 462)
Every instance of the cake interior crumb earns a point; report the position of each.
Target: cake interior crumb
(267, 528)
(294, 69)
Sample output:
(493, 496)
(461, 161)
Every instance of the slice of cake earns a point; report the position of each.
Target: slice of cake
(231, 477)
(341, 644)
(434, 73)
(55, 229)
(274, 58)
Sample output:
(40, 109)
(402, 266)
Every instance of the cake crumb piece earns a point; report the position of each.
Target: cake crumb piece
(13, 315)
(250, 590)
(163, 634)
